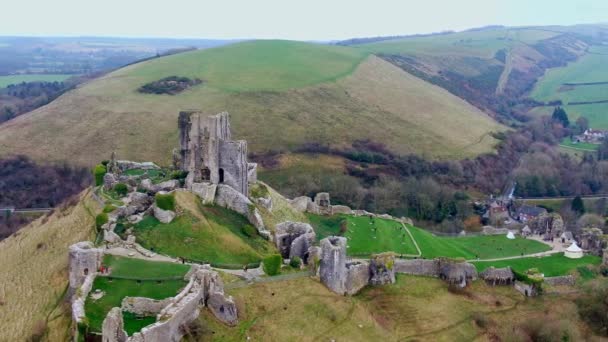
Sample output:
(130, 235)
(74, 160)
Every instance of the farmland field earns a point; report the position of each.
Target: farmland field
(568, 85)
(551, 266)
(15, 79)
(567, 142)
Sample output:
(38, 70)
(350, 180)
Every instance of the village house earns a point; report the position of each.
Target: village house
(525, 213)
(594, 136)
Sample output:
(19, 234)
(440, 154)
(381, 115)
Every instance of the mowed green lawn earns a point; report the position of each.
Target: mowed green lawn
(551, 266)
(116, 289)
(5, 81)
(365, 236)
(472, 247)
(212, 235)
(270, 65)
(143, 269)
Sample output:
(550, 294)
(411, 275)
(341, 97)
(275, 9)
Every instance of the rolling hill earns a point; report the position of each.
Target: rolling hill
(494, 68)
(281, 95)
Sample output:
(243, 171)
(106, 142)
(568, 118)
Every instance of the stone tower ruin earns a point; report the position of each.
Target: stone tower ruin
(84, 259)
(209, 155)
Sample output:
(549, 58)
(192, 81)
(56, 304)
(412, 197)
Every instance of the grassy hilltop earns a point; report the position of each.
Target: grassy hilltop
(281, 94)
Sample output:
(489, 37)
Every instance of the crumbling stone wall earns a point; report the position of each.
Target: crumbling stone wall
(357, 276)
(294, 239)
(112, 328)
(563, 280)
(382, 269)
(205, 288)
(421, 267)
(144, 306)
(605, 257)
(323, 202)
(84, 259)
(526, 289)
(229, 198)
(591, 239)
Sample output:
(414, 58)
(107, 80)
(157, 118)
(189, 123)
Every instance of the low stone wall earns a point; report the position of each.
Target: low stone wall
(144, 306)
(80, 297)
(421, 267)
(357, 277)
(560, 281)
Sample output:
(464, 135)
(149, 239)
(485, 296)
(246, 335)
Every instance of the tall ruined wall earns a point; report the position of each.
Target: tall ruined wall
(233, 162)
(333, 263)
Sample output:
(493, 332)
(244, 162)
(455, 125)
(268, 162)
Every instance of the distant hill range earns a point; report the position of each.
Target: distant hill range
(283, 95)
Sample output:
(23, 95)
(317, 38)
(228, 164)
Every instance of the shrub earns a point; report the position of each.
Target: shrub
(165, 201)
(592, 306)
(109, 208)
(98, 172)
(105, 162)
(249, 230)
(121, 189)
(100, 220)
(179, 175)
(272, 264)
(295, 262)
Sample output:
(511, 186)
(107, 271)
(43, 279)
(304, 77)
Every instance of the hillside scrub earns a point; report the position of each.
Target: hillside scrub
(27, 184)
(272, 264)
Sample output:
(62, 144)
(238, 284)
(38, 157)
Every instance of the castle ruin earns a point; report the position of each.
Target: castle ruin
(209, 155)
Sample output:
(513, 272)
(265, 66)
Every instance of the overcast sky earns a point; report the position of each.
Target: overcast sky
(302, 19)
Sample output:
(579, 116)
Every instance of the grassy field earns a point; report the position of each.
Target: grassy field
(325, 94)
(143, 269)
(5, 81)
(551, 266)
(34, 272)
(472, 247)
(413, 309)
(365, 236)
(589, 68)
(386, 235)
(482, 44)
(592, 205)
(203, 233)
(116, 289)
(568, 143)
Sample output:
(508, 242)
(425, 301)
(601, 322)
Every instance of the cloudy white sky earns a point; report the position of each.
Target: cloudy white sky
(302, 19)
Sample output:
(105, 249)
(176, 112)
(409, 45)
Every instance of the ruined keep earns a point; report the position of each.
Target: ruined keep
(209, 155)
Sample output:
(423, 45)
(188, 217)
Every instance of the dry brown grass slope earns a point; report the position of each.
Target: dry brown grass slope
(377, 101)
(33, 272)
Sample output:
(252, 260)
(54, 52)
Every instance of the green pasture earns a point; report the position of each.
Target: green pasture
(5, 81)
(551, 266)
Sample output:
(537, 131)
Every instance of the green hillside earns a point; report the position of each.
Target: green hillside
(307, 92)
(585, 80)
